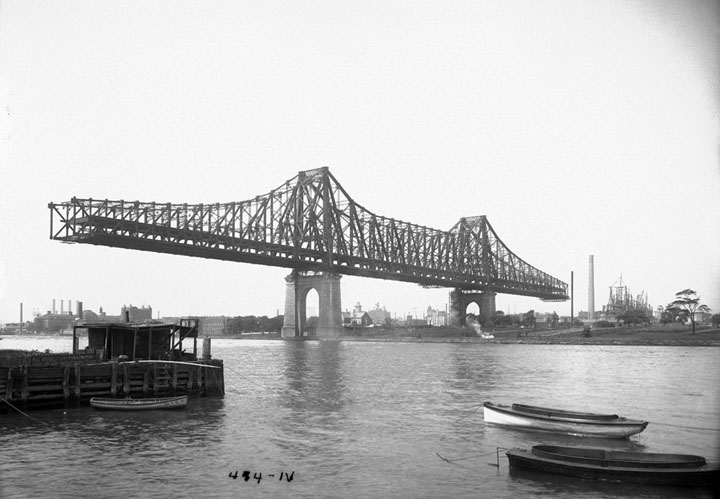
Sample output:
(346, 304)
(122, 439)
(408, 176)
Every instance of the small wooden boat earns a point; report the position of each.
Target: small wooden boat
(129, 404)
(613, 465)
(577, 423)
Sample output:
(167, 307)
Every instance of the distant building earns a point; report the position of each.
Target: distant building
(379, 315)
(53, 323)
(356, 318)
(213, 326)
(435, 317)
(101, 316)
(136, 314)
(208, 325)
(412, 322)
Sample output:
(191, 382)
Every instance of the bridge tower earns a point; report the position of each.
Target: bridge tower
(460, 299)
(327, 285)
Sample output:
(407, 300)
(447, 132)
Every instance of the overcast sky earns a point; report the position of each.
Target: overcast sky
(578, 127)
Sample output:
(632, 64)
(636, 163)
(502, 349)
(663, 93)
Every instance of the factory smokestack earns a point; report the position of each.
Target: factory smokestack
(591, 289)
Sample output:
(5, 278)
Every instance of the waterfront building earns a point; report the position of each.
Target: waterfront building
(356, 318)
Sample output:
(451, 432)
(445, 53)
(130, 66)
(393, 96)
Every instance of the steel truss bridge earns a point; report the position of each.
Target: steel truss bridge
(310, 223)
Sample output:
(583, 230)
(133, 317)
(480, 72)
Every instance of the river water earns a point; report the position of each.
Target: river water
(308, 419)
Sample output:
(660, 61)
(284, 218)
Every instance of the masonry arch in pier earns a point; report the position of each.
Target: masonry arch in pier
(461, 299)
(298, 286)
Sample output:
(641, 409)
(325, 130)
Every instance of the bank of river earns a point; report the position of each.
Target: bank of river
(674, 335)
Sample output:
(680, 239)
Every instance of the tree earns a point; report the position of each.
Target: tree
(529, 318)
(500, 319)
(667, 317)
(686, 305)
(634, 317)
(715, 320)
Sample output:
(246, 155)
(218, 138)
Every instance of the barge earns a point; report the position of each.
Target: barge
(139, 360)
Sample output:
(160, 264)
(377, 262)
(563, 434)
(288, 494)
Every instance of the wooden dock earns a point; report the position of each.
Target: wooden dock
(72, 385)
(126, 359)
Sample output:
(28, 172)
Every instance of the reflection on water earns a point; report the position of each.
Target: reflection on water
(315, 376)
(354, 419)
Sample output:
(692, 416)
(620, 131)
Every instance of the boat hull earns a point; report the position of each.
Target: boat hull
(608, 470)
(129, 404)
(584, 426)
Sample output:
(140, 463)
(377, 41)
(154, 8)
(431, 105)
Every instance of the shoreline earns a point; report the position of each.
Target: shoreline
(671, 335)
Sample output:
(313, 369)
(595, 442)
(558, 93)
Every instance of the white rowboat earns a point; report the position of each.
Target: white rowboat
(576, 423)
(128, 404)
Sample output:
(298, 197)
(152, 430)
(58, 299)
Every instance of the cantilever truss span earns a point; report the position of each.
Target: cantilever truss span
(310, 223)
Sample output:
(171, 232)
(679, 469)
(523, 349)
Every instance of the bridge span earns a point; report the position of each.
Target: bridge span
(311, 225)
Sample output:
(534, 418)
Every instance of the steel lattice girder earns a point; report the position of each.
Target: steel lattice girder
(309, 223)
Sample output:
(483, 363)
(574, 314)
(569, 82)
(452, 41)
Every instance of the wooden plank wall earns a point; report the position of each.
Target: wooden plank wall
(34, 387)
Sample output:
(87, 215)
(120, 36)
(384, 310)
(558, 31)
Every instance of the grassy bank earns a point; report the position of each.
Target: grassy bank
(670, 335)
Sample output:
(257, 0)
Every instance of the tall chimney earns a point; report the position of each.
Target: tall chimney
(62, 307)
(53, 309)
(591, 290)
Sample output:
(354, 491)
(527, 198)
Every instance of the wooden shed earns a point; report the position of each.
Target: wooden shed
(141, 340)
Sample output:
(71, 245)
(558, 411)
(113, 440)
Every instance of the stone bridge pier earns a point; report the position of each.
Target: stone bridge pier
(327, 285)
(460, 300)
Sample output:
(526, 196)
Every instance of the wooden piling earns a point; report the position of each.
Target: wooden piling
(113, 380)
(66, 386)
(24, 393)
(78, 378)
(73, 384)
(201, 383)
(126, 380)
(9, 386)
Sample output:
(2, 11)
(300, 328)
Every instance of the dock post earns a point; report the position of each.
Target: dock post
(77, 384)
(126, 380)
(206, 349)
(201, 380)
(145, 382)
(113, 379)
(9, 387)
(24, 392)
(174, 378)
(66, 387)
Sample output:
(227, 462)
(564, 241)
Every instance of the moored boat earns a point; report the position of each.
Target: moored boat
(562, 421)
(145, 404)
(562, 412)
(613, 465)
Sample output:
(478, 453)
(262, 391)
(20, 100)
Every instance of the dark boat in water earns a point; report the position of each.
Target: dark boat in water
(619, 466)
